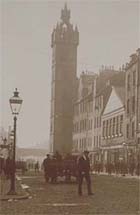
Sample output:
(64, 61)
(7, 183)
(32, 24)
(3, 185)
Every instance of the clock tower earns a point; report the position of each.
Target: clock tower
(65, 39)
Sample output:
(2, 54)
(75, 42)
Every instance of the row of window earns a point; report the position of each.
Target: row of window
(83, 107)
(113, 127)
(83, 125)
(82, 144)
(131, 105)
(97, 122)
(98, 103)
(131, 80)
(130, 130)
(97, 141)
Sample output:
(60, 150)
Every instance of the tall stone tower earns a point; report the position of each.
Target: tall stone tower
(65, 39)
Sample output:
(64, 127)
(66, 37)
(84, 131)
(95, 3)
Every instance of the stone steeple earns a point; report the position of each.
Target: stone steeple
(64, 30)
(64, 43)
(65, 14)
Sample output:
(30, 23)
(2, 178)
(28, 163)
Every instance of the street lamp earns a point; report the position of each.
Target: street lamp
(15, 104)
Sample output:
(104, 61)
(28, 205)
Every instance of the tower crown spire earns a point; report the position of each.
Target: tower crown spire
(65, 14)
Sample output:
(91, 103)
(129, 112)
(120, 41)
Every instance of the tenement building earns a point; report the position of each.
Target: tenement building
(113, 127)
(92, 96)
(100, 101)
(83, 114)
(65, 39)
(107, 77)
(132, 104)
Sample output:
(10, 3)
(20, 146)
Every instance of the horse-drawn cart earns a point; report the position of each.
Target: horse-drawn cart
(64, 169)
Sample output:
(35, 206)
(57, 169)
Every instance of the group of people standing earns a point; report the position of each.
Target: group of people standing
(82, 165)
(50, 166)
(6, 166)
(119, 167)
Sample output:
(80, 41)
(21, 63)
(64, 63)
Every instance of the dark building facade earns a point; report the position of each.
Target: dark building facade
(65, 39)
(132, 104)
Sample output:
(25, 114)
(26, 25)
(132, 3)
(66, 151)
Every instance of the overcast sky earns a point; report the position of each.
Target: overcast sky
(109, 33)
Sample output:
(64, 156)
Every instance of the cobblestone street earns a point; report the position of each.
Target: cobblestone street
(113, 195)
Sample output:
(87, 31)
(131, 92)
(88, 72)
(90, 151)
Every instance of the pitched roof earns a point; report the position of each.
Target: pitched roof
(115, 78)
(105, 92)
(115, 100)
(121, 93)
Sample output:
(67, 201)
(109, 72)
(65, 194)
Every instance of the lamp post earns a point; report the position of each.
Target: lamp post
(15, 104)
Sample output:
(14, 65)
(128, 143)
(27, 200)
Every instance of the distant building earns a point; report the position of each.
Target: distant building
(132, 104)
(65, 39)
(31, 154)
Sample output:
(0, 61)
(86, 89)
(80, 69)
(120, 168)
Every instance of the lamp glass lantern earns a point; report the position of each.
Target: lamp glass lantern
(15, 103)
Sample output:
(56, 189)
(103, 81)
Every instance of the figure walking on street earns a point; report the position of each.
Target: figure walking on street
(46, 166)
(84, 172)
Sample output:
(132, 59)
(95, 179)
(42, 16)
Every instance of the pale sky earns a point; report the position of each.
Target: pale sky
(109, 33)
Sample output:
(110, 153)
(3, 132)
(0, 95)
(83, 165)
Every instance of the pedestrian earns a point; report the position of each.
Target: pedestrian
(1, 163)
(58, 156)
(123, 167)
(46, 166)
(37, 166)
(84, 172)
(138, 168)
(53, 169)
(132, 166)
(9, 167)
(117, 167)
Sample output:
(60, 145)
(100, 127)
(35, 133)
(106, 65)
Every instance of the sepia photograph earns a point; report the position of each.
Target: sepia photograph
(70, 107)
